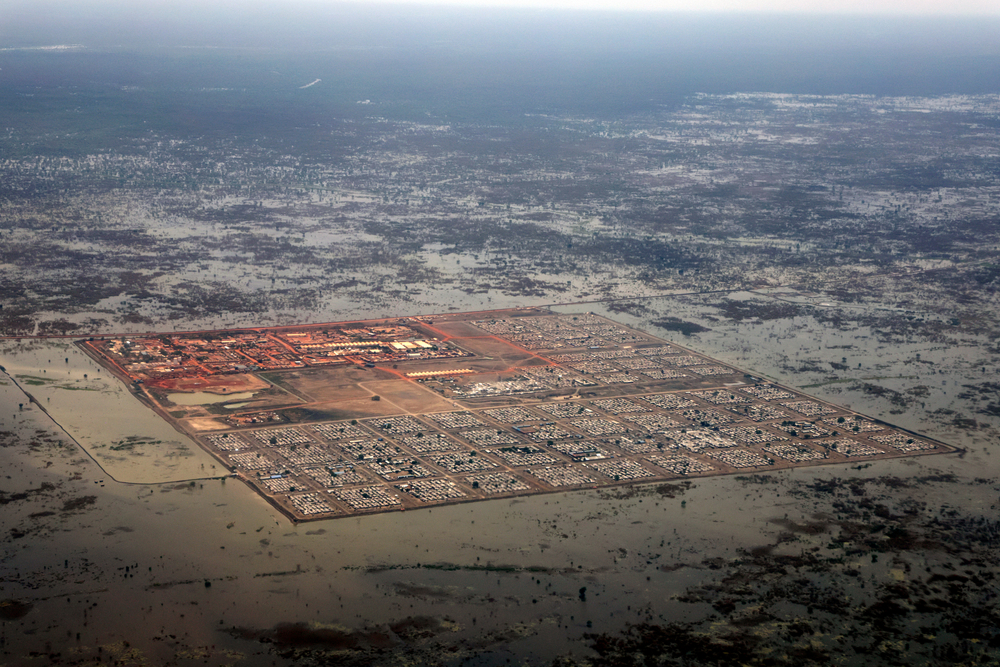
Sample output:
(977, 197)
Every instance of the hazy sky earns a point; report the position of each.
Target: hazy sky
(900, 7)
(971, 26)
(797, 6)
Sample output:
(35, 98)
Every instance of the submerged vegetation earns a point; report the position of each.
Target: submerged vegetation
(839, 233)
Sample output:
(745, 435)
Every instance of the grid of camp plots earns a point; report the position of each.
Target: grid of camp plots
(626, 434)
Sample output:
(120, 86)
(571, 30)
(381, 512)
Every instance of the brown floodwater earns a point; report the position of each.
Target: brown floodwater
(170, 564)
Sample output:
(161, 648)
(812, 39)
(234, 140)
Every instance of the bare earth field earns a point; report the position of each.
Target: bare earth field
(232, 384)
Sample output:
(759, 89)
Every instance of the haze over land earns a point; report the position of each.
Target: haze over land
(812, 199)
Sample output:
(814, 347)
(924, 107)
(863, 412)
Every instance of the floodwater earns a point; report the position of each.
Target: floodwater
(129, 441)
(507, 564)
(188, 568)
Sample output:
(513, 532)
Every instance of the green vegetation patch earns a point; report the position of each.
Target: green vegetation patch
(297, 415)
(677, 324)
(277, 380)
(131, 442)
(33, 380)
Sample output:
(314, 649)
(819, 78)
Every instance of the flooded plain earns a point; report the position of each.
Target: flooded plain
(129, 441)
(170, 565)
(185, 191)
